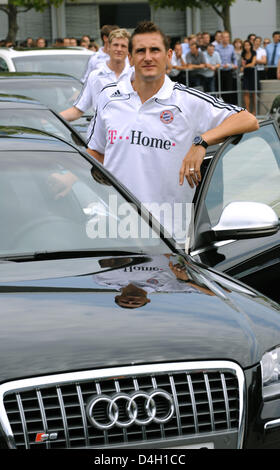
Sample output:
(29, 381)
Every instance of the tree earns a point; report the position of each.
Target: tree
(14, 7)
(221, 7)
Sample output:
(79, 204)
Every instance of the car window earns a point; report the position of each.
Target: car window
(40, 119)
(247, 171)
(54, 201)
(56, 94)
(3, 65)
(71, 64)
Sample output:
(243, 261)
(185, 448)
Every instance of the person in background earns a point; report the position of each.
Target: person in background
(177, 66)
(102, 55)
(266, 41)
(218, 38)
(73, 42)
(205, 41)
(86, 39)
(228, 65)
(41, 42)
(251, 37)
(261, 59)
(213, 62)
(29, 42)
(84, 43)
(66, 42)
(278, 70)
(273, 55)
(59, 42)
(195, 64)
(185, 46)
(93, 46)
(238, 48)
(199, 40)
(115, 69)
(249, 57)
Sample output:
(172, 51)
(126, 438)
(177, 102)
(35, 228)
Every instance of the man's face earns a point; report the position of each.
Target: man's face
(178, 50)
(210, 49)
(149, 56)
(206, 39)
(118, 49)
(276, 38)
(193, 49)
(225, 38)
(218, 37)
(257, 43)
(41, 43)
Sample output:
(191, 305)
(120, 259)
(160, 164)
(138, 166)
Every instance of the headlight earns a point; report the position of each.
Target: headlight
(270, 365)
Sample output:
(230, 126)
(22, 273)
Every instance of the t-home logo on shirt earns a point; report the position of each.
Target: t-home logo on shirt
(138, 138)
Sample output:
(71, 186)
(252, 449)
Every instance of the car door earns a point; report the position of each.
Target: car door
(246, 168)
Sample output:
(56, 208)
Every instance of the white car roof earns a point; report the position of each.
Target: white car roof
(10, 52)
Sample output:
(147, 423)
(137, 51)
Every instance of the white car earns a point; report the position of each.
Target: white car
(72, 61)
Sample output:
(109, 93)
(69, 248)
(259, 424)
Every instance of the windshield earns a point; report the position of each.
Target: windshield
(41, 119)
(55, 94)
(52, 201)
(71, 64)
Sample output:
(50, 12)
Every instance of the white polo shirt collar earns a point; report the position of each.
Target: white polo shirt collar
(165, 92)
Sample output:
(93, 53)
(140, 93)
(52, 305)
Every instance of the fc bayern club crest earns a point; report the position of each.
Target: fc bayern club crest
(166, 116)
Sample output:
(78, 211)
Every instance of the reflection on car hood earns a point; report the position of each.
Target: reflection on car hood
(63, 315)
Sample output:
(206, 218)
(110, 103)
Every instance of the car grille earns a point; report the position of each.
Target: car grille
(204, 399)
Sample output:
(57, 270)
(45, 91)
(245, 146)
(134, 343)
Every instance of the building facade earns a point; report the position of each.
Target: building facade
(87, 16)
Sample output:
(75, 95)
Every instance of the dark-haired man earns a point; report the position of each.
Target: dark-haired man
(152, 134)
(101, 55)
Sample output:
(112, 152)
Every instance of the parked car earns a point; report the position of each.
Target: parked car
(246, 168)
(23, 113)
(113, 339)
(56, 91)
(72, 61)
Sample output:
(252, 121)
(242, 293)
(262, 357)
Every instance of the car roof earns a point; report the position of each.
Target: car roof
(37, 76)
(16, 101)
(18, 52)
(21, 139)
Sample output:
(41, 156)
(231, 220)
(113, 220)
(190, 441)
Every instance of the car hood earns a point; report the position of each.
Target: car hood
(62, 315)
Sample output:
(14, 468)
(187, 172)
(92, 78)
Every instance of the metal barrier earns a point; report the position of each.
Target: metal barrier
(262, 106)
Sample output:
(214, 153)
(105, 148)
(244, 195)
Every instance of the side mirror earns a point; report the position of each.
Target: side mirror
(246, 220)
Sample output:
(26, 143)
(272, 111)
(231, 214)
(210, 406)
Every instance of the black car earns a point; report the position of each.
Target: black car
(21, 112)
(54, 90)
(111, 336)
(245, 169)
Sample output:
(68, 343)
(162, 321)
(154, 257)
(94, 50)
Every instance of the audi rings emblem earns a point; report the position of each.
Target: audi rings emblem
(123, 410)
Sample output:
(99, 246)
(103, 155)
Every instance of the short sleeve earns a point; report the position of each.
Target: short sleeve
(97, 136)
(209, 112)
(83, 102)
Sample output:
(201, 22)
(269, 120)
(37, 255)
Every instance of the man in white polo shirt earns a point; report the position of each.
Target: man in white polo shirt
(115, 69)
(151, 133)
(99, 57)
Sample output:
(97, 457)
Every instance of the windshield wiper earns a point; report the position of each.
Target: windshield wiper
(55, 255)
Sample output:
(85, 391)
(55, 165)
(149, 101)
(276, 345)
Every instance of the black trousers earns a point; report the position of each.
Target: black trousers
(228, 84)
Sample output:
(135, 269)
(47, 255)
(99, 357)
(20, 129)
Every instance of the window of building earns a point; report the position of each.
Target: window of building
(124, 15)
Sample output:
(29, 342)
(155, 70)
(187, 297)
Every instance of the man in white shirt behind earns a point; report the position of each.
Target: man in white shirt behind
(177, 66)
(115, 69)
(101, 55)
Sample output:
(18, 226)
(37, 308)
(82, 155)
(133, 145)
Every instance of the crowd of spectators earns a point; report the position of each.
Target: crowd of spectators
(213, 63)
(85, 41)
(197, 59)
